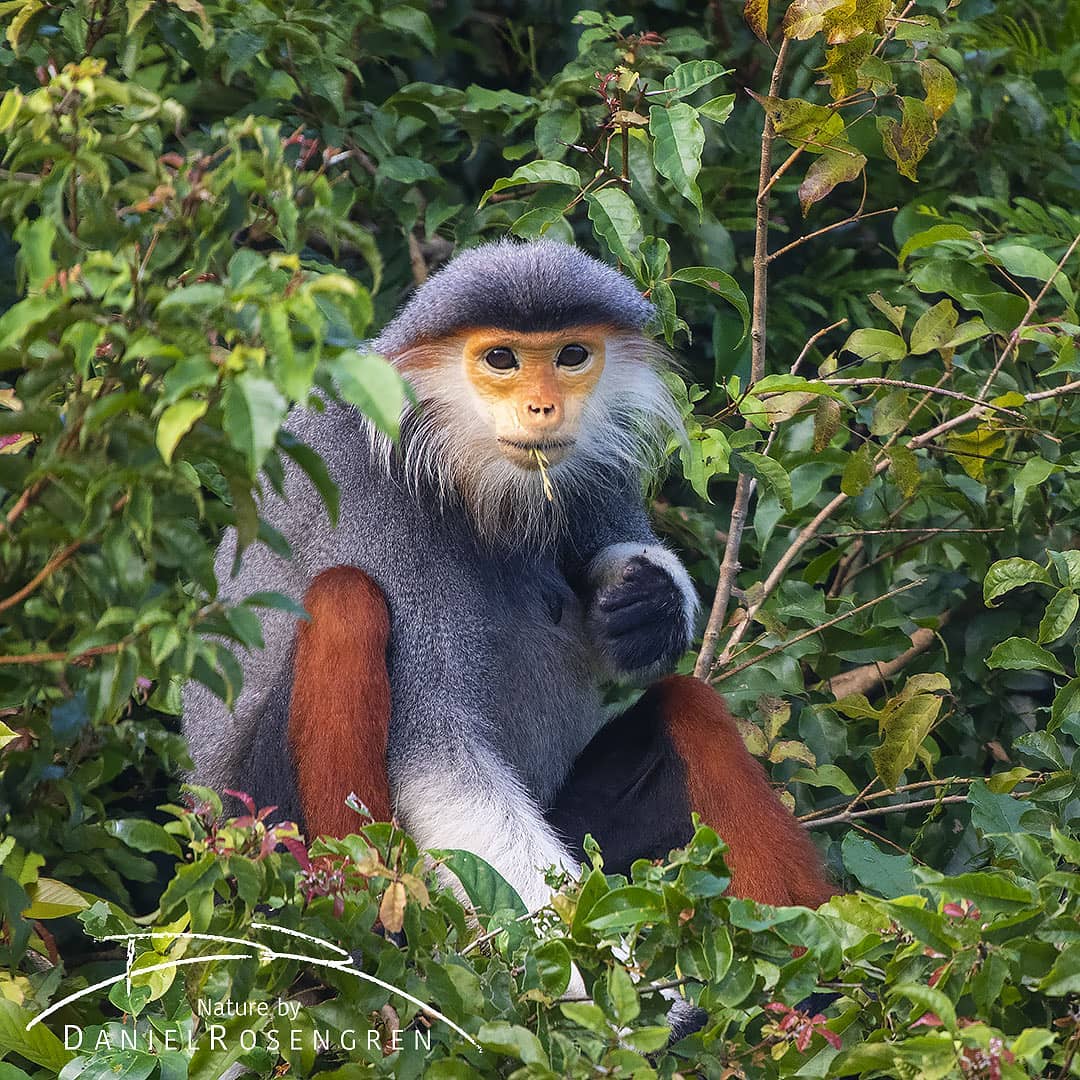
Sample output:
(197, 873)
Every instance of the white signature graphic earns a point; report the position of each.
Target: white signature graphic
(342, 963)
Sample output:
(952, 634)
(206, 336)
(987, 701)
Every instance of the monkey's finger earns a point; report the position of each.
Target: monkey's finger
(635, 616)
(633, 592)
(640, 569)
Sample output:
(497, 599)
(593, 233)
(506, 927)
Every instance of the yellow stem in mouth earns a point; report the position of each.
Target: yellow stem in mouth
(545, 479)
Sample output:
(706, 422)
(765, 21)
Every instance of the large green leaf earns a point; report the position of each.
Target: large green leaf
(678, 142)
(615, 218)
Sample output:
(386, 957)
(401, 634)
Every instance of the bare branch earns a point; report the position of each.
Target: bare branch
(812, 342)
(897, 808)
(829, 228)
(905, 384)
(729, 565)
(816, 630)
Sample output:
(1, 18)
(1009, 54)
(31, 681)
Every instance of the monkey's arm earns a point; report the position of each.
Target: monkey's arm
(640, 603)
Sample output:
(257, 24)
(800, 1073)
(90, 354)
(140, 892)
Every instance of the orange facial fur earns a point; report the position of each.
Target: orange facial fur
(771, 857)
(537, 404)
(340, 712)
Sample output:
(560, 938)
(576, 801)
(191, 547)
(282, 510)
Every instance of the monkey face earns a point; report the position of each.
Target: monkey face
(533, 387)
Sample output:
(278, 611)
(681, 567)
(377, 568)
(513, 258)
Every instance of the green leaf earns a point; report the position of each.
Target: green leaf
(904, 470)
(622, 995)
(204, 295)
(254, 410)
(623, 908)
(678, 142)
(940, 87)
(906, 142)
(768, 472)
(1064, 977)
(826, 776)
(486, 888)
(935, 328)
(826, 423)
(9, 108)
(586, 1015)
(825, 172)
(38, 1045)
(994, 814)
(893, 312)
(1059, 616)
(1022, 260)
(553, 965)
(535, 172)
(904, 730)
(926, 999)
(1019, 654)
(936, 234)
(1066, 706)
(876, 345)
(21, 316)
(412, 20)
(374, 386)
(1067, 567)
(692, 76)
(709, 277)
(406, 170)
(143, 835)
(881, 873)
(814, 128)
(1036, 472)
(514, 1041)
(615, 218)
(52, 899)
(176, 421)
(1012, 573)
(858, 471)
(718, 109)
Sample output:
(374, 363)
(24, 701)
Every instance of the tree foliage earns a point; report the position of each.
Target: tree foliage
(857, 220)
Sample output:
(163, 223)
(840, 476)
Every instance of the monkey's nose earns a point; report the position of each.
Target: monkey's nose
(542, 412)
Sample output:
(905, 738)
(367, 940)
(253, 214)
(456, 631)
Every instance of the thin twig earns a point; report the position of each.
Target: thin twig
(761, 230)
(906, 384)
(919, 785)
(812, 342)
(729, 569)
(816, 629)
(1042, 395)
(877, 811)
(729, 565)
(852, 220)
(896, 532)
(52, 657)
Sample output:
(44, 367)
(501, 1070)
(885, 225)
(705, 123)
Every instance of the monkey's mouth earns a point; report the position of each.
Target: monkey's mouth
(523, 453)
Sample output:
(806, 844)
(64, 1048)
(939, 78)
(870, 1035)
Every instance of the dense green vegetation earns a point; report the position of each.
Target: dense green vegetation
(205, 208)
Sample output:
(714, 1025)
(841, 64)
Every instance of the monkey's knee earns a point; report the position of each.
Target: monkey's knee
(771, 857)
(339, 716)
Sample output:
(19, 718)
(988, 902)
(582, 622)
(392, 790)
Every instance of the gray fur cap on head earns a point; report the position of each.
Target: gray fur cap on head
(536, 286)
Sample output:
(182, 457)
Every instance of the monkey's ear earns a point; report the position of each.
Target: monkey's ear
(339, 717)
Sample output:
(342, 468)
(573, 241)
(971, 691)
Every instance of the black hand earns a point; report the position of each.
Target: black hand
(640, 619)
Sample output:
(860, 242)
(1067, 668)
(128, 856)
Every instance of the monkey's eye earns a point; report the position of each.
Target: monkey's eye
(572, 356)
(501, 359)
